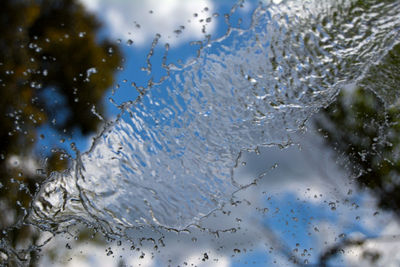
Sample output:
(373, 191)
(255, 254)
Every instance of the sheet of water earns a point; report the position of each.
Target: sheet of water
(167, 160)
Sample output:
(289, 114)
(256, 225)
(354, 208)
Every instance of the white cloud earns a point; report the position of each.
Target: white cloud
(140, 21)
(387, 245)
(91, 5)
(27, 164)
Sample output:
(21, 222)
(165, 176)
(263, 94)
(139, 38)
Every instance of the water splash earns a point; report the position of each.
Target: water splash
(168, 158)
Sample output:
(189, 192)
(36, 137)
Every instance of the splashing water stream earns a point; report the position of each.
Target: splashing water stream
(168, 158)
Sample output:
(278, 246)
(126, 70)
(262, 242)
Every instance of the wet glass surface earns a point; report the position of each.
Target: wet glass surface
(199, 133)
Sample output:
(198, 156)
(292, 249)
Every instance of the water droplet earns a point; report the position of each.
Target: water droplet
(205, 257)
(129, 42)
(90, 72)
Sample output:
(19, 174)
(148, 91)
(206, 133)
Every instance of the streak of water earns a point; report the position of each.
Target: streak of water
(168, 158)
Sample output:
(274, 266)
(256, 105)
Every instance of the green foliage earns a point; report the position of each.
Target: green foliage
(365, 130)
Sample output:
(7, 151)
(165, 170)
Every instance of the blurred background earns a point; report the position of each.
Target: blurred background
(332, 199)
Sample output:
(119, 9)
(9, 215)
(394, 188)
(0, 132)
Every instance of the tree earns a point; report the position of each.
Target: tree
(54, 68)
(363, 126)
